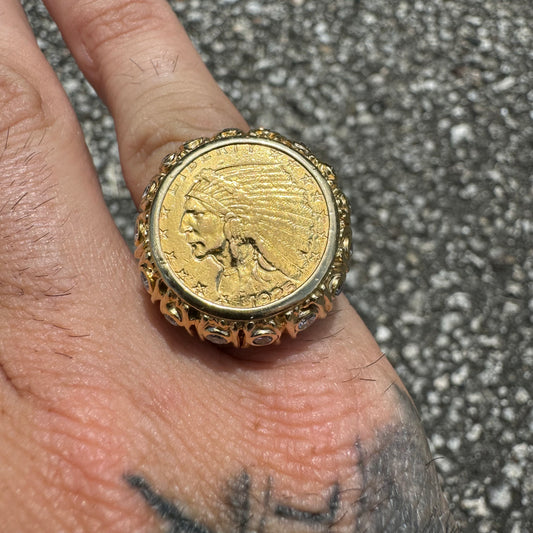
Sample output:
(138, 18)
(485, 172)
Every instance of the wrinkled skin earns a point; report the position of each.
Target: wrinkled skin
(110, 420)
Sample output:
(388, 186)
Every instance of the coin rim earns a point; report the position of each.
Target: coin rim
(244, 313)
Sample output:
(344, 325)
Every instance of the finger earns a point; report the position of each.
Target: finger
(45, 166)
(141, 62)
(53, 220)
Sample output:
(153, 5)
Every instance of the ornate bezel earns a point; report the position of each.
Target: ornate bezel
(225, 326)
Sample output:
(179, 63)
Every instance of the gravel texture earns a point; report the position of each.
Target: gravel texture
(425, 108)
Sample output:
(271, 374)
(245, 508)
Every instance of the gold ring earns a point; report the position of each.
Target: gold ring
(243, 237)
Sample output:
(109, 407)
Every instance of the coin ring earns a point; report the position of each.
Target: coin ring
(233, 175)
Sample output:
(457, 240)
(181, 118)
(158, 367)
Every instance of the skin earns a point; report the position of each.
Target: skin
(112, 420)
(386, 500)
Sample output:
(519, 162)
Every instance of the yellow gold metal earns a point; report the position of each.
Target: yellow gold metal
(242, 237)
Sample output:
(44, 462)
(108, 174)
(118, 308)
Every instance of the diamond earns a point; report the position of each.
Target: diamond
(147, 191)
(217, 336)
(171, 320)
(145, 282)
(263, 340)
(306, 321)
(216, 339)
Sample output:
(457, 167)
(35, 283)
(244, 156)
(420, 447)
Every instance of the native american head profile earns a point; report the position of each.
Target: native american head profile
(254, 221)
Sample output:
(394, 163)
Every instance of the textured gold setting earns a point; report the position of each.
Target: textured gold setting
(242, 237)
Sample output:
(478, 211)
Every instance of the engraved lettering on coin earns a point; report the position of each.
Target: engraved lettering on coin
(248, 234)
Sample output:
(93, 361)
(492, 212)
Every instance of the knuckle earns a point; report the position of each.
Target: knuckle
(175, 116)
(21, 105)
(107, 22)
(307, 430)
(153, 141)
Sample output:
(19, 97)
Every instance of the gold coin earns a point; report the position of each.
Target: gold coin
(242, 237)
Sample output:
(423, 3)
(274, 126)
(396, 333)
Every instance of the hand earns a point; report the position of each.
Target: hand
(112, 420)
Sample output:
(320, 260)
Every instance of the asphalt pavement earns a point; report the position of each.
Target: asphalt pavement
(425, 109)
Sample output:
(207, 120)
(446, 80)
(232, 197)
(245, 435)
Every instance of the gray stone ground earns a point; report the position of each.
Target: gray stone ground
(425, 108)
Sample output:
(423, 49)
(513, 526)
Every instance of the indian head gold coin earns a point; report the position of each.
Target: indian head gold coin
(243, 237)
